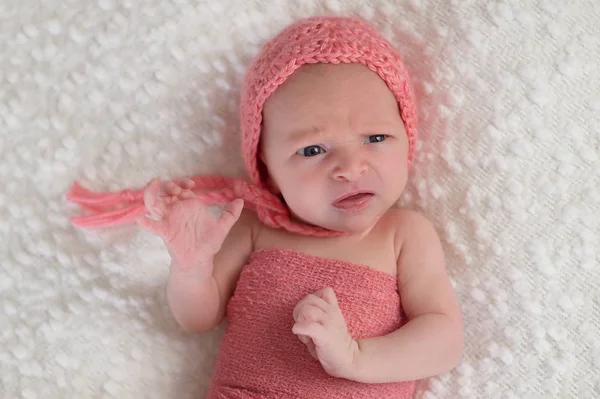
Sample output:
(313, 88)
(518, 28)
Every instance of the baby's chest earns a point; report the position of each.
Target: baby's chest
(275, 280)
(378, 254)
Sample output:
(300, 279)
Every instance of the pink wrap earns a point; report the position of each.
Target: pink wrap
(260, 357)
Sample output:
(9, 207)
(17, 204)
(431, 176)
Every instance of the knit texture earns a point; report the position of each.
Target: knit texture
(112, 93)
(330, 40)
(260, 357)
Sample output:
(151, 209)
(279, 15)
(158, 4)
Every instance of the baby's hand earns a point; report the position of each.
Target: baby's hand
(320, 325)
(191, 234)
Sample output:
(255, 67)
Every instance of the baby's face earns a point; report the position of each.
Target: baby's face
(332, 131)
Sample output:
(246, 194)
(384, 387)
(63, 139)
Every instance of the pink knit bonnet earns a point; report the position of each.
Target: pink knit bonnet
(312, 40)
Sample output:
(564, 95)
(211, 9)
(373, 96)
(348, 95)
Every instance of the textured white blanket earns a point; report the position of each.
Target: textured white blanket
(114, 92)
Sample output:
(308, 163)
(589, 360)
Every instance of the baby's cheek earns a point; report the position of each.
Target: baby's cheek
(394, 168)
(306, 185)
(305, 193)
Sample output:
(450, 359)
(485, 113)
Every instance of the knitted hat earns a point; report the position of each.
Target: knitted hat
(330, 40)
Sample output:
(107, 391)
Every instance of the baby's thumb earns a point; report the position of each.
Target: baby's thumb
(231, 214)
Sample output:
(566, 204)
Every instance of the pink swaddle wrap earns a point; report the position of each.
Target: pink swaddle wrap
(260, 357)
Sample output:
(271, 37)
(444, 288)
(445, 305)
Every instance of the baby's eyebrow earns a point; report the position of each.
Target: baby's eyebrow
(316, 133)
(313, 133)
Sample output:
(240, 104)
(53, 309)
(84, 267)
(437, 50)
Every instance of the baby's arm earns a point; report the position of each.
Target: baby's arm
(197, 302)
(207, 253)
(432, 341)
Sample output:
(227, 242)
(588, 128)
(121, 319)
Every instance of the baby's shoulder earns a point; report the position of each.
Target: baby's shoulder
(405, 224)
(250, 223)
(406, 219)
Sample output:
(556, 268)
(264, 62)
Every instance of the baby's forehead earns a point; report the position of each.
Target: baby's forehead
(343, 73)
(324, 97)
(324, 84)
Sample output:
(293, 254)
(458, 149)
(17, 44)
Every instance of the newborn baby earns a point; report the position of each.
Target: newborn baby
(330, 290)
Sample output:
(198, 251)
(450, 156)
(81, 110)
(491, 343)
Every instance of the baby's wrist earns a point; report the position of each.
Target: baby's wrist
(198, 270)
(354, 370)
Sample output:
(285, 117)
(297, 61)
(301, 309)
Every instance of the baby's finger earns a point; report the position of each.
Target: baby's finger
(187, 194)
(310, 345)
(229, 216)
(313, 300)
(312, 313)
(299, 306)
(312, 348)
(232, 212)
(315, 331)
(304, 338)
(171, 188)
(170, 200)
(328, 295)
(187, 183)
(153, 203)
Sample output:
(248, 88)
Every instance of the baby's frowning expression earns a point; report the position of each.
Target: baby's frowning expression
(335, 146)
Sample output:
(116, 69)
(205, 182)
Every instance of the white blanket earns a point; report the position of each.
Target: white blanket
(114, 92)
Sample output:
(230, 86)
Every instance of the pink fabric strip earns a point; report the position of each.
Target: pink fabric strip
(120, 207)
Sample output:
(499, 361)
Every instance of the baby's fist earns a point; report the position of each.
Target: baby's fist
(320, 325)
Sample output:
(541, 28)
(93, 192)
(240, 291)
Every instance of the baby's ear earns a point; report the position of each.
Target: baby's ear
(264, 172)
(273, 186)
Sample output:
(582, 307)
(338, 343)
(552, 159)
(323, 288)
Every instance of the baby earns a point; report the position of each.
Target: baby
(330, 290)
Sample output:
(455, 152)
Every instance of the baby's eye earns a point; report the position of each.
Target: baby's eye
(376, 138)
(311, 151)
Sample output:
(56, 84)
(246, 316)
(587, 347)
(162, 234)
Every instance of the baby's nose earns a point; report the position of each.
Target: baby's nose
(350, 166)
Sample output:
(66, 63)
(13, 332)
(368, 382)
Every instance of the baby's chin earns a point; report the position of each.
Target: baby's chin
(349, 223)
(355, 225)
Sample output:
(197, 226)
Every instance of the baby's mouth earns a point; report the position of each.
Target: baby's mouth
(353, 201)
